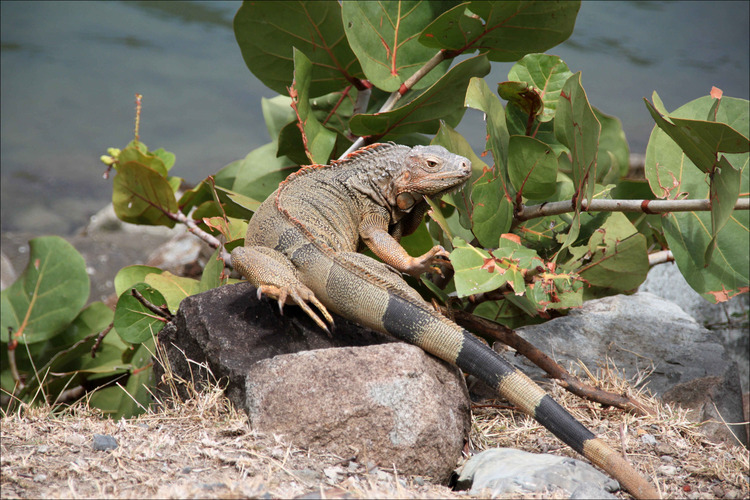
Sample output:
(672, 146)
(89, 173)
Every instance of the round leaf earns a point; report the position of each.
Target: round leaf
(133, 321)
(48, 295)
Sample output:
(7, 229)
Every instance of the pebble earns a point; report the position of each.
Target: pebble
(104, 442)
(668, 470)
(649, 439)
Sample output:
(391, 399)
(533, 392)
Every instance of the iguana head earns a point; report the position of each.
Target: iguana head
(428, 171)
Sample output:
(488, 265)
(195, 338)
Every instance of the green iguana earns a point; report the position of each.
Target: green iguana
(301, 247)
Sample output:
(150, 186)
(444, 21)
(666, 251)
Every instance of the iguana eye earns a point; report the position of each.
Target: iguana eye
(432, 164)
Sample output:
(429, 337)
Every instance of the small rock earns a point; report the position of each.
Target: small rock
(668, 470)
(665, 449)
(516, 472)
(649, 439)
(42, 449)
(40, 478)
(718, 491)
(103, 442)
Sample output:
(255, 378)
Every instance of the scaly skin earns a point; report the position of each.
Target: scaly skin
(301, 248)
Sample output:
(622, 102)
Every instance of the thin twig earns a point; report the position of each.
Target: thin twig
(158, 310)
(565, 379)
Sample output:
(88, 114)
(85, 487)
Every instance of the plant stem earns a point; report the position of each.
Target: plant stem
(645, 206)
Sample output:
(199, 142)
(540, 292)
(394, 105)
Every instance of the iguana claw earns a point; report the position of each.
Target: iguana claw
(300, 295)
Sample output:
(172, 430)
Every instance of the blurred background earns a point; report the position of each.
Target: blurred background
(70, 70)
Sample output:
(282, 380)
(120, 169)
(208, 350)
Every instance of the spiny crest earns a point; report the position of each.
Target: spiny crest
(365, 152)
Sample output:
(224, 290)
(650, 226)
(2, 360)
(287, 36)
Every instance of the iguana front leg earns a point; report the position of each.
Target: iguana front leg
(274, 275)
(374, 232)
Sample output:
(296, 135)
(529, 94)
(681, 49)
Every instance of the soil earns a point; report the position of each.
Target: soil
(204, 448)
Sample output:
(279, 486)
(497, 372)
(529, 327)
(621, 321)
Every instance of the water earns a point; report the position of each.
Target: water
(70, 70)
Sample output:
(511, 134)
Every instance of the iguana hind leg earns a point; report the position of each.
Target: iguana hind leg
(274, 275)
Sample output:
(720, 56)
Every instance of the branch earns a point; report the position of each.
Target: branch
(439, 57)
(566, 380)
(644, 206)
(212, 241)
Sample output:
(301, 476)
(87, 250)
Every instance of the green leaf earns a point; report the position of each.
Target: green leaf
(614, 154)
(507, 30)
(724, 271)
(547, 74)
(701, 140)
(260, 172)
(136, 397)
(383, 36)
(130, 275)
(173, 288)
(442, 101)
(49, 293)
(277, 113)
(492, 214)
(133, 321)
(532, 167)
(141, 195)
(479, 96)
(213, 273)
(456, 143)
(615, 259)
(268, 31)
(150, 159)
(318, 140)
(578, 129)
(166, 157)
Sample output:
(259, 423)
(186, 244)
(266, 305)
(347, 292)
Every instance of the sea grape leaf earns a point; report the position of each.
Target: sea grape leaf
(479, 96)
(442, 101)
(547, 74)
(578, 129)
(613, 261)
(532, 167)
(383, 35)
(318, 140)
(134, 322)
(213, 273)
(141, 195)
(492, 214)
(173, 288)
(48, 295)
(701, 140)
(268, 31)
(260, 172)
(130, 275)
(506, 30)
(724, 271)
(456, 143)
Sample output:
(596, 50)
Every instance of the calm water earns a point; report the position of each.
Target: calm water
(70, 70)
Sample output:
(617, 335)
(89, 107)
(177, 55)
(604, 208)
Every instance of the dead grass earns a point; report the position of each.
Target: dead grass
(204, 448)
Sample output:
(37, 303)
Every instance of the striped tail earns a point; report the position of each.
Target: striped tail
(443, 338)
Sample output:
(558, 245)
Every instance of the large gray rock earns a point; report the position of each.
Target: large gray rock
(728, 320)
(640, 331)
(390, 404)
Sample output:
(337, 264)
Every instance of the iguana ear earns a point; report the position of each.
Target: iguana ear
(406, 201)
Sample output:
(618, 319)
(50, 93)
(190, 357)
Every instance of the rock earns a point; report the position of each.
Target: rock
(104, 442)
(728, 320)
(636, 332)
(390, 403)
(229, 329)
(507, 471)
(708, 398)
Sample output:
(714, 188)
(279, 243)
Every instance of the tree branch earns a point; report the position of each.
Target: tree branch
(572, 384)
(645, 206)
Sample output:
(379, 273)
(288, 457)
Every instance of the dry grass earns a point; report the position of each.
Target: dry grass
(684, 463)
(204, 448)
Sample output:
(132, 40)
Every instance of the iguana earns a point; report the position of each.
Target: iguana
(301, 247)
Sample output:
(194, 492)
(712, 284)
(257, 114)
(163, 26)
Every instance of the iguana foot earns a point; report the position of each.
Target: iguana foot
(300, 295)
(429, 261)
